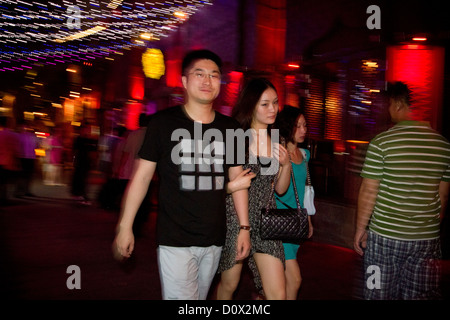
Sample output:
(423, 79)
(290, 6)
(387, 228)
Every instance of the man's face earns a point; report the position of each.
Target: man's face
(202, 82)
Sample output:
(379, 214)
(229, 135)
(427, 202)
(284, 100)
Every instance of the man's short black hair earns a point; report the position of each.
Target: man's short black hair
(399, 91)
(192, 56)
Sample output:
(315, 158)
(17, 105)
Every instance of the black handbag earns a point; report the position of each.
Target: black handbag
(289, 225)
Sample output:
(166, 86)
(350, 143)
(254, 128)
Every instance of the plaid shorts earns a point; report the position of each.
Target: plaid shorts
(407, 270)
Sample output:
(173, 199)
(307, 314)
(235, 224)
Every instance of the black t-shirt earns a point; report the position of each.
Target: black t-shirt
(193, 170)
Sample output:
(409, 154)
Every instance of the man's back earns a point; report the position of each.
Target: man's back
(409, 160)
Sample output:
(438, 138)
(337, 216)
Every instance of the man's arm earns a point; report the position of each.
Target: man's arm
(366, 202)
(444, 189)
(240, 199)
(133, 197)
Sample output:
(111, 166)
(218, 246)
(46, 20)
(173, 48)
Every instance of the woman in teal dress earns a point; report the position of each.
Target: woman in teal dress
(292, 127)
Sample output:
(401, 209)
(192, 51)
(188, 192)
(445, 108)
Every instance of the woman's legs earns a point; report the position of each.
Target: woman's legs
(272, 274)
(229, 280)
(293, 279)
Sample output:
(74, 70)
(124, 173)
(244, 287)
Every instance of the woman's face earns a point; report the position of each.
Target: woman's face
(300, 129)
(266, 109)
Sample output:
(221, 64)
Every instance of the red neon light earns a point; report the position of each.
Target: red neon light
(421, 67)
(419, 39)
(232, 88)
(133, 110)
(136, 86)
(293, 65)
(173, 73)
(137, 91)
(289, 79)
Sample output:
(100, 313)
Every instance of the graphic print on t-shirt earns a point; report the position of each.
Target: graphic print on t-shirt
(201, 165)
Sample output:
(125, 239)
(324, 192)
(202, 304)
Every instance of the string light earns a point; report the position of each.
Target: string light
(81, 34)
(61, 31)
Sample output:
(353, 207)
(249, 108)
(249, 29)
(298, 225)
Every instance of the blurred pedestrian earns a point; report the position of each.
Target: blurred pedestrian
(106, 145)
(53, 172)
(402, 199)
(8, 158)
(83, 148)
(28, 144)
(110, 194)
(131, 144)
(126, 161)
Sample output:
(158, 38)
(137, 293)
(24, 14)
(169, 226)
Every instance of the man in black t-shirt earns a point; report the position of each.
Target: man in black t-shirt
(187, 145)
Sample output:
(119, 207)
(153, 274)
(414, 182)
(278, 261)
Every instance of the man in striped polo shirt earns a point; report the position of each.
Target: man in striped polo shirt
(404, 192)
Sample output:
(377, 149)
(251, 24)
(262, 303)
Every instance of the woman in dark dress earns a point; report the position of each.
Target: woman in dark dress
(256, 111)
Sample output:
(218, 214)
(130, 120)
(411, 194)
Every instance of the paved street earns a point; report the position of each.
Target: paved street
(42, 236)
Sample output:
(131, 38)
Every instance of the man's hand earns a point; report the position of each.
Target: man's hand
(360, 241)
(123, 244)
(366, 202)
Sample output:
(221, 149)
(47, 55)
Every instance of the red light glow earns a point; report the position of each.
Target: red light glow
(233, 87)
(421, 67)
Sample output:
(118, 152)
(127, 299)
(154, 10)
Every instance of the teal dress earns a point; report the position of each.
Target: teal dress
(290, 249)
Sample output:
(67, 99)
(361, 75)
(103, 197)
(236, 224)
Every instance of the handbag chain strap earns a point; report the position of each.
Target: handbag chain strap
(295, 189)
(294, 184)
(308, 177)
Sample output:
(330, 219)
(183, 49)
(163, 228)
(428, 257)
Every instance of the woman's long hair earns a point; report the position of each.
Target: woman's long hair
(245, 107)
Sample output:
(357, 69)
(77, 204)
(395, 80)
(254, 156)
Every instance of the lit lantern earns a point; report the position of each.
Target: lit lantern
(153, 63)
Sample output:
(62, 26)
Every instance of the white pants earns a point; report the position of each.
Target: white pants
(187, 272)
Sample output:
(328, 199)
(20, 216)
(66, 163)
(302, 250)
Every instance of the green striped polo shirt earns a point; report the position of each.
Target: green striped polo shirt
(410, 159)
